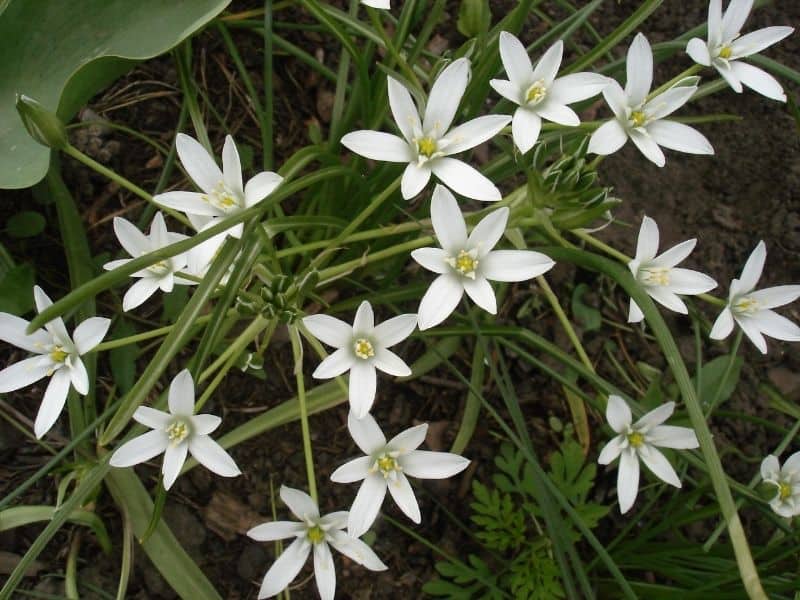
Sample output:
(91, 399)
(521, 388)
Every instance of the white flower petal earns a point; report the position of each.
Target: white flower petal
(440, 300)
(734, 18)
(667, 299)
(515, 59)
(334, 365)
(525, 128)
(152, 418)
(424, 464)
(188, 202)
(204, 424)
(758, 80)
(285, 568)
(680, 137)
(753, 332)
(714, 23)
(507, 89)
(388, 362)
(334, 520)
(384, 4)
(669, 436)
(647, 242)
(212, 456)
(577, 87)
(615, 97)
(300, 503)
(378, 146)
(404, 110)
(231, 166)
(669, 258)
(353, 470)
(260, 186)
(668, 102)
(689, 282)
(140, 449)
(12, 331)
(608, 138)
(481, 293)
(610, 451)
(364, 322)
(404, 497)
(655, 417)
(547, 67)
(53, 402)
(23, 373)
(514, 265)
(445, 97)
(475, 132)
(366, 505)
(776, 326)
(770, 468)
(366, 433)
(659, 465)
(751, 272)
(90, 333)
(324, 571)
(698, 51)
(639, 66)
(329, 330)
(139, 292)
(648, 147)
(618, 414)
(723, 325)
(465, 180)
(447, 220)
(635, 314)
(432, 259)
(181, 394)
(275, 530)
(79, 377)
(415, 178)
(174, 457)
(363, 382)
(198, 163)
(724, 69)
(792, 464)
(627, 480)
(408, 440)
(395, 330)
(776, 296)
(133, 241)
(558, 113)
(488, 231)
(56, 326)
(758, 40)
(356, 550)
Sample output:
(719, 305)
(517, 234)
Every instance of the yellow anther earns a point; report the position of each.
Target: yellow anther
(725, 52)
(58, 354)
(177, 432)
(638, 118)
(655, 276)
(635, 439)
(221, 197)
(746, 305)
(536, 92)
(465, 263)
(387, 464)
(315, 534)
(784, 490)
(426, 146)
(363, 348)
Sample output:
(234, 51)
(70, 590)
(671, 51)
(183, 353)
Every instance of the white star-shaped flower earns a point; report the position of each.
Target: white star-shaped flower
(752, 310)
(176, 434)
(160, 275)
(386, 466)
(466, 264)
(639, 441)
(786, 480)
(313, 532)
(537, 92)
(58, 356)
(642, 120)
(725, 48)
(428, 144)
(361, 349)
(659, 276)
(223, 194)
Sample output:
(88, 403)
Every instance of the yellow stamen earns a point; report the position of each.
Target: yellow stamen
(465, 264)
(177, 432)
(655, 276)
(387, 464)
(315, 534)
(638, 118)
(746, 306)
(58, 354)
(363, 348)
(784, 490)
(426, 146)
(635, 439)
(725, 52)
(536, 92)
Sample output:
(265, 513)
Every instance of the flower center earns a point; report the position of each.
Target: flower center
(635, 439)
(426, 146)
(655, 276)
(784, 490)
(536, 92)
(159, 268)
(315, 534)
(638, 118)
(746, 306)
(387, 464)
(363, 348)
(58, 354)
(725, 52)
(177, 432)
(465, 263)
(222, 198)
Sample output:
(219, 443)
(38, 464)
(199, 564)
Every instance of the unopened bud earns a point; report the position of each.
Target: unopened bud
(43, 126)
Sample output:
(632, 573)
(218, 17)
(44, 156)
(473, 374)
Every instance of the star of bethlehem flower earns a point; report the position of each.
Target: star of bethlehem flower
(751, 309)
(223, 194)
(726, 47)
(642, 120)
(58, 356)
(786, 480)
(387, 465)
(427, 145)
(160, 275)
(312, 532)
(176, 434)
(385, 4)
(361, 349)
(537, 92)
(639, 441)
(659, 276)
(466, 264)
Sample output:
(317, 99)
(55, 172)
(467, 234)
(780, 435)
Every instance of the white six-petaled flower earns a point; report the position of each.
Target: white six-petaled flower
(427, 145)
(659, 276)
(161, 274)
(725, 48)
(641, 119)
(361, 349)
(386, 466)
(176, 434)
(639, 441)
(58, 357)
(537, 92)
(786, 480)
(223, 194)
(313, 532)
(466, 264)
(752, 310)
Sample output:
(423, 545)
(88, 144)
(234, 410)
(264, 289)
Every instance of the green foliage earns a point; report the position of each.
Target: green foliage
(587, 316)
(474, 18)
(25, 224)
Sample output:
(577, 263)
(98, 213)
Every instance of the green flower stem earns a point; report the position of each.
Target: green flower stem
(565, 322)
(396, 57)
(693, 70)
(297, 352)
(331, 273)
(72, 151)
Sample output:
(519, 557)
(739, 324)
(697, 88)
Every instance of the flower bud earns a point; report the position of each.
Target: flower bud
(767, 490)
(43, 126)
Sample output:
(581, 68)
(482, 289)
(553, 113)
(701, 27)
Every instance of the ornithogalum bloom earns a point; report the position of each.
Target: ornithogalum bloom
(58, 356)
(312, 532)
(361, 349)
(387, 465)
(537, 92)
(786, 480)
(161, 274)
(658, 275)
(223, 194)
(752, 310)
(427, 144)
(726, 47)
(639, 441)
(377, 3)
(466, 264)
(176, 434)
(642, 119)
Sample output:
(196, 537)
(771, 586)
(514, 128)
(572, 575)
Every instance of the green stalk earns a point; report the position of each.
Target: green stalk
(153, 333)
(565, 322)
(71, 571)
(693, 70)
(269, 97)
(297, 352)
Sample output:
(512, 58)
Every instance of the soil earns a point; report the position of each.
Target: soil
(746, 192)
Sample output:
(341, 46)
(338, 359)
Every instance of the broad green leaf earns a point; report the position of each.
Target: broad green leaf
(25, 515)
(474, 18)
(718, 380)
(123, 359)
(62, 53)
(25, 224)
(588, 317)
(16, 290)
